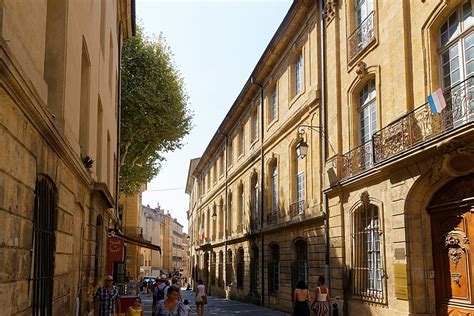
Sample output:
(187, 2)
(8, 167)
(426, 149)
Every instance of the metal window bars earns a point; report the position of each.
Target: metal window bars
(362, 36)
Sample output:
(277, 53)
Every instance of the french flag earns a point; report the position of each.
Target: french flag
(436, 101)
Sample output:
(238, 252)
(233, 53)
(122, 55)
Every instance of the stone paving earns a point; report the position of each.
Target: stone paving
(218, 306)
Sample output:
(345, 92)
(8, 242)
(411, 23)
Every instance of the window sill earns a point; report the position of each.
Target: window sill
(270, 125)
(295, 98)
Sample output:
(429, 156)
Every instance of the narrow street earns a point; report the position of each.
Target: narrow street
(218, 306)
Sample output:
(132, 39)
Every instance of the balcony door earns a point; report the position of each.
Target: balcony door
(456, 56)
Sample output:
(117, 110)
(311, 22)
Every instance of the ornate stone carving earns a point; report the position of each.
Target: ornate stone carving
(455, 241)
(361, 69)
(329, 10)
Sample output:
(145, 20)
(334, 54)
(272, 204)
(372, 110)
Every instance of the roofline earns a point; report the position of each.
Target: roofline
(221, 132)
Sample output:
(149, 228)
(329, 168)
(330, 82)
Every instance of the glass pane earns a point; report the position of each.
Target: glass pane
(455, 76)
(455, 63)
(469, 68)
(467, 15)
(453, 52)
(469, 40)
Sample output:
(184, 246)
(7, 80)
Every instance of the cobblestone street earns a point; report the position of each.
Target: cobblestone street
(218, 306)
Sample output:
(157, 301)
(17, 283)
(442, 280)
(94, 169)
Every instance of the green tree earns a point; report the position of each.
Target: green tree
(154, 114)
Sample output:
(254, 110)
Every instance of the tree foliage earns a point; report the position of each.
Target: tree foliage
(154, 112)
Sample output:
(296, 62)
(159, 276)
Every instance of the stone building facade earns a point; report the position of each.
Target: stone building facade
(58, 132)
(382, 202)
(152, 221)
(172, 244)
(259, 242)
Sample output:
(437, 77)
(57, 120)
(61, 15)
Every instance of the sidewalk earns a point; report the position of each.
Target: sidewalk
(218, 306)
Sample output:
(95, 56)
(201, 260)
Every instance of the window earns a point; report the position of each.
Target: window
(229, 214)
(457, 46)
(274, 269)
(367, 112)
(230, 154)
(254, 125)
(300, 186)
(44, 226)
(220, 275)
(364, 27)
(298, 74)
(274, 187)
(457, 63)
(300, 265)
(273, 110)
(241, 141)
(213, 268)
(229, 269)
(367, 260)
(240, 268)
(85, 104)
(254, 271)
(363, 8)
(241, 206)
(221, 164)
(254, 201)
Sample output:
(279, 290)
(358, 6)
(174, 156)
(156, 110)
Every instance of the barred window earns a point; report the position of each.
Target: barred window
(254, 270)
(300, 265)
(241, 204)
(300, 186)
(240, 268)
(213, 268)
(229, 270)
(274, 269)
(367, 260)
(44, 225)
(254, 125)
(220, 272)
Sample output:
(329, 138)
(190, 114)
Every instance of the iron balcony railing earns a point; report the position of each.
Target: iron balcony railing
(297, 208)
(362, 36)
(412, 129)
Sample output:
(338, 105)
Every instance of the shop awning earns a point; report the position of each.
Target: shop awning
(134, 240)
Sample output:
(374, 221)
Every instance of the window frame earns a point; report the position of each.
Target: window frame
(360, 261)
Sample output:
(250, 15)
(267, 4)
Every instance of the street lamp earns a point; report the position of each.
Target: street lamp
(214, 215)
(301, 148)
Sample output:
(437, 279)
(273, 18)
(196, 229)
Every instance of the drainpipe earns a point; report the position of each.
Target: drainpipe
(262, 183)
(323, 135)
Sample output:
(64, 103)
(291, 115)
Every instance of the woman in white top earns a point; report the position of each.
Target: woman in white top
(320, 304)
(201, 298)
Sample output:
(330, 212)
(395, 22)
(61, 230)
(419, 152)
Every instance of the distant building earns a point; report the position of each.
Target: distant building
(152, 221)
(172, 244)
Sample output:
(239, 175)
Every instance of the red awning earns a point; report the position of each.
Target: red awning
(134, 240)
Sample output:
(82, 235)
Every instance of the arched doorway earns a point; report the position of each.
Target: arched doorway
(452, 229)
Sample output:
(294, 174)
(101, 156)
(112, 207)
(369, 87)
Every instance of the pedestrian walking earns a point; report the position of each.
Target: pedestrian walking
(106, 299)
(171, 306)
(136, 309)
(301, 299)
(320, 305)
(158, 294)
(187, 308)
(175, 283)
(201, 298)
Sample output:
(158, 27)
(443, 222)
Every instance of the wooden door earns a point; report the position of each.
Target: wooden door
(452, 238)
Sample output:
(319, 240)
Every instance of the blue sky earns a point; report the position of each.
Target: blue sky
(216, 45)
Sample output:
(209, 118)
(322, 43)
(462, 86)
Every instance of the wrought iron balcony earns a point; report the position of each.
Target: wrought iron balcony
(297, 208)
(362, 36)
(272, 217)
(412, 129)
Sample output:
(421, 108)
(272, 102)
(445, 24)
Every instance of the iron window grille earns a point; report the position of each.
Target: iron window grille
(274, 270)
(44, 225)
(240, 269)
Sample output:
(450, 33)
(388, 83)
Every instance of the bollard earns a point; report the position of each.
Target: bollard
(335, 311)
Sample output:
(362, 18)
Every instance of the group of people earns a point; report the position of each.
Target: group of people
(320, 303)
(168, 301)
